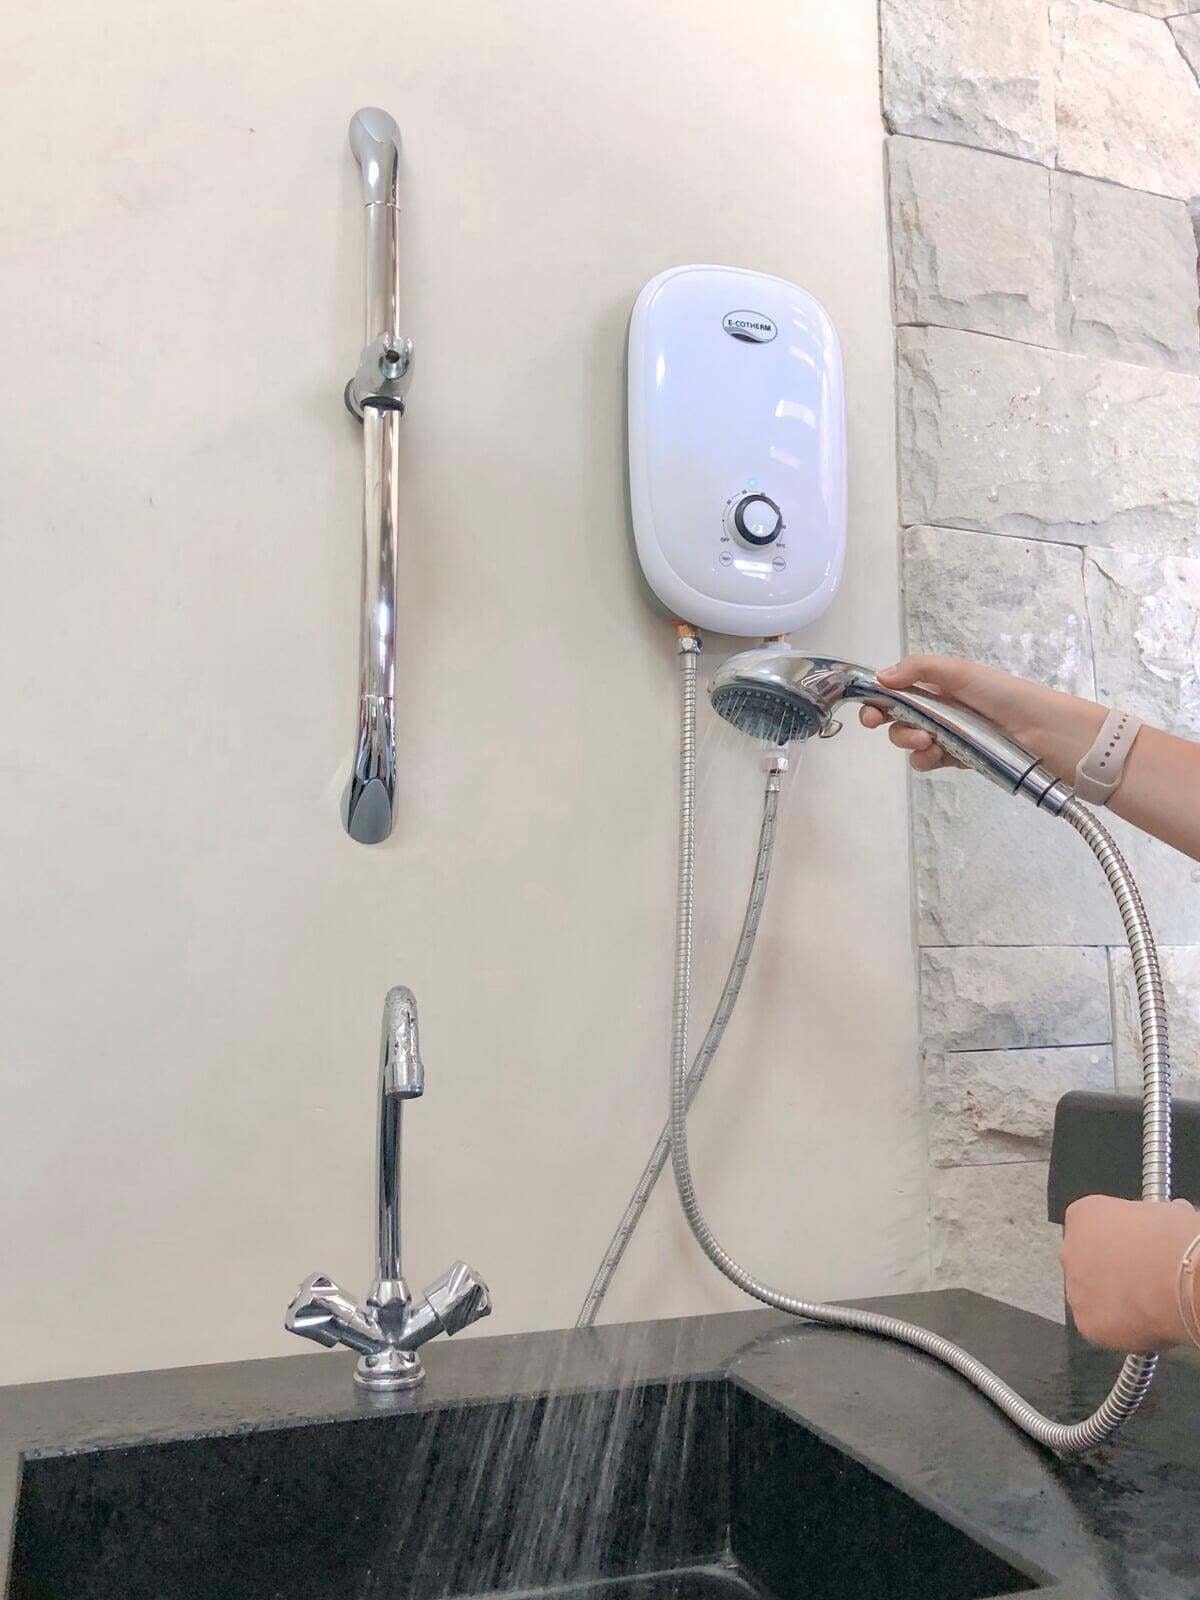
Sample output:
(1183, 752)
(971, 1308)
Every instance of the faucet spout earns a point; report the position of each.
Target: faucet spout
(401, 1070)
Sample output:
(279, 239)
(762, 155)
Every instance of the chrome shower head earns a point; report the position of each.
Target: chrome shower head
(777, 693)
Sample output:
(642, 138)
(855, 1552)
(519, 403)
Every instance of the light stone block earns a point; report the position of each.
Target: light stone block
(971, 240)
(1127, 103)
(970, 71)
(998, 1105)
(1186, 30)
(1008, 438)
(1181, 991)
(1002, 999)
(1159, 8)
(991, 869)
(1126, 267)
(1012, 603)
(1145, 613)
(988, 1232)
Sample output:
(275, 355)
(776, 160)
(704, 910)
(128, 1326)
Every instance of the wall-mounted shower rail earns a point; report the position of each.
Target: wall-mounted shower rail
(376, 396)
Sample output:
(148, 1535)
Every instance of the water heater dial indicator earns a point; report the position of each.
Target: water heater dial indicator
(755, 519)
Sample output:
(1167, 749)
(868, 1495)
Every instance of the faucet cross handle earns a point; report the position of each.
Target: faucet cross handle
(387, 1346)
(327, 1315)
(458, 1298)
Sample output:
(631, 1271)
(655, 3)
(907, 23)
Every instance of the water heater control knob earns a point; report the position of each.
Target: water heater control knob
(755, 519)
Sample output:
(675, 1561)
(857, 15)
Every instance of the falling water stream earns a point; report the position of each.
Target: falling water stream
(576, 1479)
(563, 1485)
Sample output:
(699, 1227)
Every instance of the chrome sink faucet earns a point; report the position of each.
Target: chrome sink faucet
(390, 1328)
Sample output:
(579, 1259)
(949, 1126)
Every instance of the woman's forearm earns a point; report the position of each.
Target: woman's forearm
(1160, 787)
(1160, 791)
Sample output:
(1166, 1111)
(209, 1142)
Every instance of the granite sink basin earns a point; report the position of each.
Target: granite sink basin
(688, 1489)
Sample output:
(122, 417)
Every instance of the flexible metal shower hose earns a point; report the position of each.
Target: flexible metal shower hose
(730, 991)
(1137, 1371)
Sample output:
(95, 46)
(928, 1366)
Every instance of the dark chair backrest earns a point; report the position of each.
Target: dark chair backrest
(1097, 1149)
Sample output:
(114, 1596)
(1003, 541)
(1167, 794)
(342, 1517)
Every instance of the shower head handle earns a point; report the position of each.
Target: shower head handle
(964, 735)
(961, 732)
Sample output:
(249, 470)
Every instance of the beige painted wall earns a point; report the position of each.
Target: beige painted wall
(192, 954)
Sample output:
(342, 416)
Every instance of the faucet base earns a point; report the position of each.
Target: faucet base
(390, 1370)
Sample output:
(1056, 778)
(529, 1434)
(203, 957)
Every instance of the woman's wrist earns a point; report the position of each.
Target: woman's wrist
(1177, 1309)
(1063, 730)
(1185, 1291)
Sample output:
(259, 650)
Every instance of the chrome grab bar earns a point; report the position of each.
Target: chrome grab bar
(375, 395)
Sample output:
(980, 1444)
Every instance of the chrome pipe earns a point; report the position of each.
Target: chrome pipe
(371, 796)
(382, 279)
(777, 764)
(401, 1078)
(376, 396)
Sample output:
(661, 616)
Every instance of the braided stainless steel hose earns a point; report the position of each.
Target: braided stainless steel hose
(1137, 1371)
(726, 1005)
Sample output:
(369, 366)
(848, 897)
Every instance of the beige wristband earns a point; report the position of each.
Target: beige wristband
(1099, 773)
(1185, 1291)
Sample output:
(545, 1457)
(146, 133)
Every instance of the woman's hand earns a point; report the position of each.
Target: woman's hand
(1121, 1261)
(1058, 728)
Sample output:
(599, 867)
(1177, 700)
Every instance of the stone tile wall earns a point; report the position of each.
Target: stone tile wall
(1044, 174)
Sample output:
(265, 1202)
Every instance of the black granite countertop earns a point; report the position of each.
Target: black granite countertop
(1123, 1524)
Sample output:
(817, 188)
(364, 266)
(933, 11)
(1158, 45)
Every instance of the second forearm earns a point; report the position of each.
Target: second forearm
(1160, 789)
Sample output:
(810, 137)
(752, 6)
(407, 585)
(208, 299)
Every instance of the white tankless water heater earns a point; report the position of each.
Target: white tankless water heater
(737, 449)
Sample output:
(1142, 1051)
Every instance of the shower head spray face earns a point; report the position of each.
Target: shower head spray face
(764, 713)
(779, 694)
